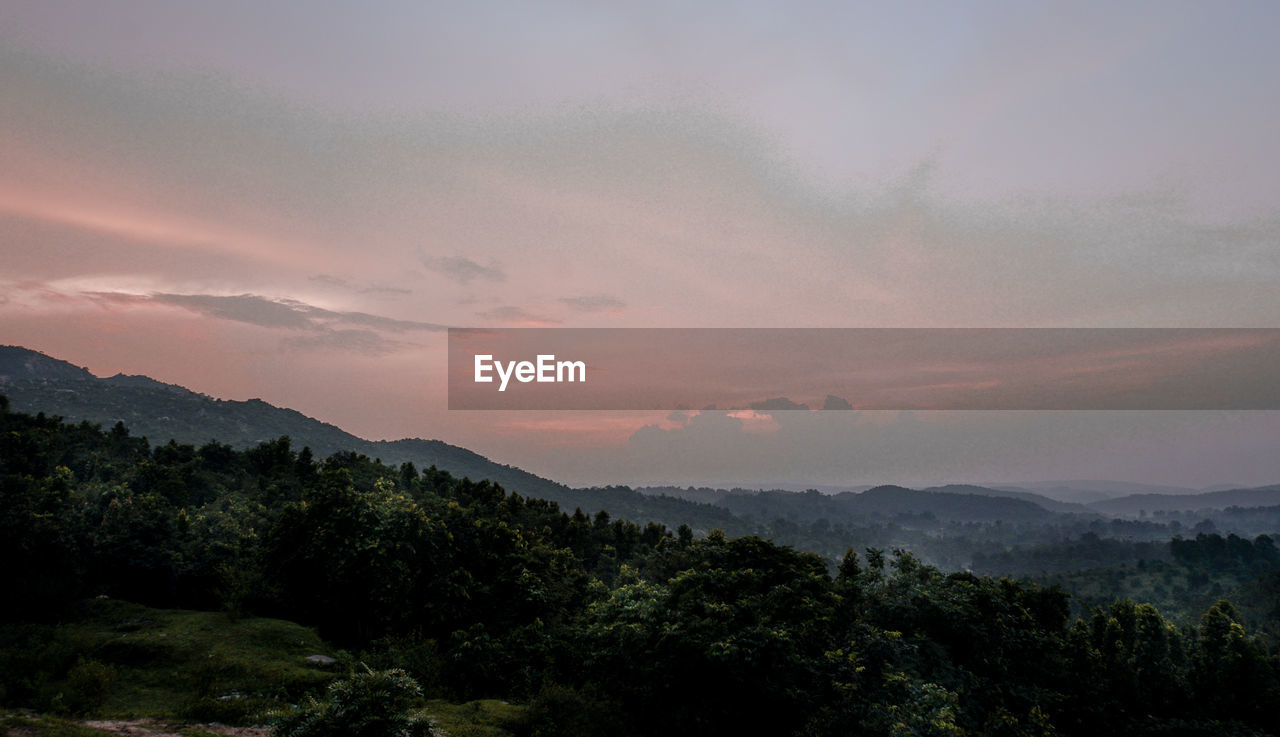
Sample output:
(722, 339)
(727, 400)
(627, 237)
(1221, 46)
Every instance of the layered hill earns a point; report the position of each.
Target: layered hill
(35, 382)
(946, 503)
(1136, 504)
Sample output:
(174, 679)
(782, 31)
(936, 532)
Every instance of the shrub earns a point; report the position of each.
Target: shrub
(368, 704)
(87, 685)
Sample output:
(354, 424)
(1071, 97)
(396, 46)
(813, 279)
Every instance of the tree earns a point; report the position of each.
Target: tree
(730, 644)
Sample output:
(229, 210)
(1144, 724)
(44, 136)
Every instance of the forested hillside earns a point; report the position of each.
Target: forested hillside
(956, 527)
(600, 625)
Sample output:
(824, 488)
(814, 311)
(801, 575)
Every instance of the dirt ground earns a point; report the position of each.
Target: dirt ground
(149, 728)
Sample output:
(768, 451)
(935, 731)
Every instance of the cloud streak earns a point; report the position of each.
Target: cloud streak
(463, 270)
(594, 303)
(252, 309)
(518, 316)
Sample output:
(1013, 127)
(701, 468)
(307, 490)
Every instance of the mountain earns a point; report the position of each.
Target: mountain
(1060, 493)
(1135, 504)
(701, 494)
(21, 363)
(36, 383)
(1053, 505)
(1084, 492)
(789, 486)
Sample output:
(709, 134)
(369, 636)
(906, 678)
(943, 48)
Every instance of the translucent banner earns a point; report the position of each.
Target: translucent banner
(774, 369)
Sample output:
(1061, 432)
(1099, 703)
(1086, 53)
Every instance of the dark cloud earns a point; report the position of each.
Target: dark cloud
(594, 303)
(377, 321)
(246, 308)
(464, 270)
(383, 289)
(330, 281)
(338, 282)
(253, 309)
(519, 315)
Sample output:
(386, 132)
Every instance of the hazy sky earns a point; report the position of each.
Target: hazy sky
(291, 200)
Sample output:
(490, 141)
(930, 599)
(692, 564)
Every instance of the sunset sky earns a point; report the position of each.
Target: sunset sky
(294, 200)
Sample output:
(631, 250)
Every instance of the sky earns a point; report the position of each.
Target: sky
(294, 200)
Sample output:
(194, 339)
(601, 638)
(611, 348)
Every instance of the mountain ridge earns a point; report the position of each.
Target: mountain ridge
(1136, 504)
(36, 382)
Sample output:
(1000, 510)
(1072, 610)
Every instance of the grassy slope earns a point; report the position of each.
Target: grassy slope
(486, 718)
(116, 660)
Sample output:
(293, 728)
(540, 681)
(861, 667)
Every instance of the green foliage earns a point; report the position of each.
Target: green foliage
(1193, 576)
(740, 622)
(86, 687)
(1231, 673)
(366, 703)
(928, 710)
(420, 658)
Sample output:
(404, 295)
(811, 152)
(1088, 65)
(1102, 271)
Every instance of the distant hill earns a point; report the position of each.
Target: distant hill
(1134, 504)
(958, 503)
(700, 494)
(962, 507)
(1086, 491)
(35, 382)
(1052, 505)
(22, 363)
(1059, 493)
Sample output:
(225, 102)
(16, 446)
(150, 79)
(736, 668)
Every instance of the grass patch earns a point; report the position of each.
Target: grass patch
(483, 718)
(113, 659)
(117, 660)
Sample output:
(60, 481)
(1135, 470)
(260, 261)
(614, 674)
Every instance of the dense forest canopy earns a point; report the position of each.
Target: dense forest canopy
(604, 626)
